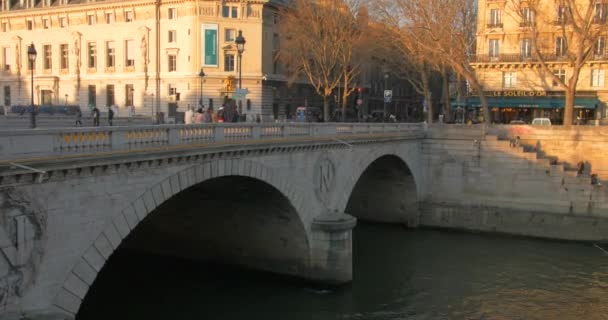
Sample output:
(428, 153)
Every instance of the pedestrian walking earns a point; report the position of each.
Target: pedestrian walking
(78, 117)
(130, 113)
(110, 115)
(199, 117)
(188, 116)
(95, 112)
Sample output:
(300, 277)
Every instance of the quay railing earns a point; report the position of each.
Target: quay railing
(28, 143)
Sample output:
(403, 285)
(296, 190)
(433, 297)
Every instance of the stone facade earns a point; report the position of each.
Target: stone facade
(142, 54)
(517, 86)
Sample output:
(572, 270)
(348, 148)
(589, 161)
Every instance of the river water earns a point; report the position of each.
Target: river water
(398, 274)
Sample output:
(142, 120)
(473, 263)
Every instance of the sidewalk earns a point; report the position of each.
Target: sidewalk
(60, 121)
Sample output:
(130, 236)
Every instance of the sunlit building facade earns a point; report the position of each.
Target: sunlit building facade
(516, 85)
(143, 53)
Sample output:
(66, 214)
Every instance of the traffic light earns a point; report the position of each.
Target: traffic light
(359, 89)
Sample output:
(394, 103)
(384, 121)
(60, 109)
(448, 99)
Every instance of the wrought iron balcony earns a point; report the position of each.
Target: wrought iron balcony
(516, 58)
(494, 25)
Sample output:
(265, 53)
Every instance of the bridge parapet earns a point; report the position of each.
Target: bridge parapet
(26, 143)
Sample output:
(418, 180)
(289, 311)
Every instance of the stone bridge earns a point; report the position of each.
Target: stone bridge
(280, 197)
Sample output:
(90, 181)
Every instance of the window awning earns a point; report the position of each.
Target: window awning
(532, 103)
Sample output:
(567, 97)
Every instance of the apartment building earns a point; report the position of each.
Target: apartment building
(143, 53)
(506, 64)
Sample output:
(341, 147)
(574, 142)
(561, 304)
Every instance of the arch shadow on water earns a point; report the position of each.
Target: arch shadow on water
(233, 220)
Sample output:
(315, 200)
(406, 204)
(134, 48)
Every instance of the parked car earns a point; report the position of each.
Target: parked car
(541, 122)
(517, 122)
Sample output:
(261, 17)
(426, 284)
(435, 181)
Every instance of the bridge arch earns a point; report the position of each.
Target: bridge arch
(89, 265)
(384, 187)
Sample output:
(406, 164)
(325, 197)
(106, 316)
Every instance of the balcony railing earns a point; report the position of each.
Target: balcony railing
(516, 57)
(494, 25)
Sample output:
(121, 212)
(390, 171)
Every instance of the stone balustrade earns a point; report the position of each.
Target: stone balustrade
(24, 143)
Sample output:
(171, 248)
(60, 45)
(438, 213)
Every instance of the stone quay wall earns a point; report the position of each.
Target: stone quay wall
(478, 180)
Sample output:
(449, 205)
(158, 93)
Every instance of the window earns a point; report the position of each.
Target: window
(30, 25)
(526, 48)
(110, 54)
(46, 23)
(129, 91)
(65, 56)
(172, 36)
(230, 12)
(92, 95)
(561, 74)
(172, 13)
(109, 17)
(560, 46)
(63, 22)
(495, 18)
(109, 95)
(601, 10)
(7, 96)
(597, 77)
(6, 59)
(561, 14)
(494, 48)
(230, 35)
(527, 15)
(600, 46)
(275, 18)
(91, 19)
(130, 53)
(228, 62)
(172, 63)
(4, 26)
(92, 53)
(48, 58)
(128, 16)
(509, 79)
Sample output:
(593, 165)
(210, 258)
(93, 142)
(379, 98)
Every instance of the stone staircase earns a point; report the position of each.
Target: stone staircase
(575, 188)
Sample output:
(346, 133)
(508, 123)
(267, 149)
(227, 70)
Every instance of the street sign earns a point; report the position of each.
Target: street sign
(388, 96)
(359, 102)
(239, 94)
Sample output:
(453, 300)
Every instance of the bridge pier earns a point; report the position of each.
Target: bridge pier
(332, 248)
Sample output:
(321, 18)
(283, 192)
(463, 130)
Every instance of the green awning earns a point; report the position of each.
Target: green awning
(533, 102)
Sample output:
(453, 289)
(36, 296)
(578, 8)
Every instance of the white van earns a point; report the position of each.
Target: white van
(541, 122)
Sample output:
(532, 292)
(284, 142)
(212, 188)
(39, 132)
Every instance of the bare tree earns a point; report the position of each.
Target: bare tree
(443, 31)
(569, 27)
(317, 44)
(403, 55)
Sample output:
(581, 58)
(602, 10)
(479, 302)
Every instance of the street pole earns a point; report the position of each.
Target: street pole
(31, 54)
(385, 88)
(240, 70)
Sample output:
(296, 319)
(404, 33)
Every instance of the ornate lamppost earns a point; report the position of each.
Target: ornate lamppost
(201, 75)
(31, 54)
(240, 47)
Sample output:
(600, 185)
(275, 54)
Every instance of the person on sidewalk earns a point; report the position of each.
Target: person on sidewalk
(78, 117)
(110, 115)
(95, 112)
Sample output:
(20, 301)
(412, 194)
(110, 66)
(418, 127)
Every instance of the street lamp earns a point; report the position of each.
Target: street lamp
(240, 47)
(385, 88)
(201, 75)
(31, 54)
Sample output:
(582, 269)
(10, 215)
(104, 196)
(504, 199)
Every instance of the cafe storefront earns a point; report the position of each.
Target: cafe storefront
(507, 106)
